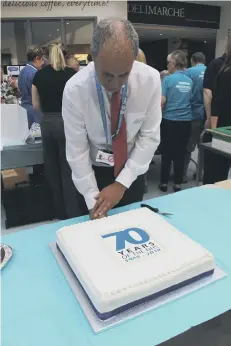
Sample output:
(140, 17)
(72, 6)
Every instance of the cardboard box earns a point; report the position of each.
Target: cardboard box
(11, 177)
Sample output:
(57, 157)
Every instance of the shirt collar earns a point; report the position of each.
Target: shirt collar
(179, 71)
(106, 92)
(31, 65)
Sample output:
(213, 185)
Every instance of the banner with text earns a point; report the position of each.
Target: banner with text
(53, 5)
(174, 13)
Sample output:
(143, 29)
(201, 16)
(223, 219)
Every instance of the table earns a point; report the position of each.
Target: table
(201, 148)
(39, 308)
(25, 155)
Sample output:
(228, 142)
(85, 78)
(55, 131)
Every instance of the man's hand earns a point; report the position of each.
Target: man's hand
(14, 83)
(208, 124)
(91, 215)
(108, 198)
(207, 103)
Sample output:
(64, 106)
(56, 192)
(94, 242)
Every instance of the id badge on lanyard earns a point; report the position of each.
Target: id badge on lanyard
(105, 156)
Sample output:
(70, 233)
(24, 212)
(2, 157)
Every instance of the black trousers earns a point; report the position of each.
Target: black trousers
(216, 167)
(105, 176)
(174, 139)
(67, 201)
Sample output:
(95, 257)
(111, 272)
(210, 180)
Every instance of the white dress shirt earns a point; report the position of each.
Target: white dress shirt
(84, 127)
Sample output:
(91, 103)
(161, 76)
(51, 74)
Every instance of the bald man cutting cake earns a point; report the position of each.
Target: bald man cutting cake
(112, 114)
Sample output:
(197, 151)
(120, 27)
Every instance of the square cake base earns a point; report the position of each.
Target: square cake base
(124, 308)
(100, 325)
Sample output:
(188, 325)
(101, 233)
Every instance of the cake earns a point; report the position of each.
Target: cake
(126, 259)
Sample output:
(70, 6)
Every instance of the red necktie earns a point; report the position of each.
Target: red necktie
(119, 142)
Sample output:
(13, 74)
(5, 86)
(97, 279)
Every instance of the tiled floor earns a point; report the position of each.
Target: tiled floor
(216, 332)
(154, 176)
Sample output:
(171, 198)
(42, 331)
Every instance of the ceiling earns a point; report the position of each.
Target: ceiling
(159, 32)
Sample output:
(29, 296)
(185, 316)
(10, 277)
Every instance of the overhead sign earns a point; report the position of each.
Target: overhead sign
(52, 5)
(174, 13)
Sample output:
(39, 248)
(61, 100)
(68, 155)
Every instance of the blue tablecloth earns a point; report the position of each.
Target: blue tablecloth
(39, 308)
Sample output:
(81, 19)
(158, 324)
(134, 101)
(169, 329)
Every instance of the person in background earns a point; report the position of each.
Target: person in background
(112, 113)
(210, 76)
(9, 89)
(177, 116)
(163, 74)
(216, 166)
(35, 57)
(196, 73)
(73, 63)
(47, 93)
(141, 57)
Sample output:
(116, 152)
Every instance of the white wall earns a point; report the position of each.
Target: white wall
(86, 9)
(225, 25)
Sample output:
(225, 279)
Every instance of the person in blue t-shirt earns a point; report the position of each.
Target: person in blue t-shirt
(176, 122)
(35, 57)
(196, 73)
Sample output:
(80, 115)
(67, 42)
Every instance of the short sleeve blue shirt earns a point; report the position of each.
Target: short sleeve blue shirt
(196, 74)
(177, 88)
(25, 81)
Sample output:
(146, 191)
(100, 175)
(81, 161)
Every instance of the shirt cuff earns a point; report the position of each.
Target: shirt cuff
(90, 199)
(126, 177)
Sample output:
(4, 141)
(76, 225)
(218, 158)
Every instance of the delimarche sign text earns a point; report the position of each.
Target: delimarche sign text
(156, 10)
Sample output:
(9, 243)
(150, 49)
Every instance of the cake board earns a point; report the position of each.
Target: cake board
(99, 325)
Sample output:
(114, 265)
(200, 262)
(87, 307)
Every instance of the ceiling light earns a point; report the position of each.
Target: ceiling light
(49, 34)
(57, 29)
(205, 41)
(68, 23)
(161, 34)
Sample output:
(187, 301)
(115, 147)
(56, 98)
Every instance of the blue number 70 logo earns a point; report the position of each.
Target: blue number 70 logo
(123, 236)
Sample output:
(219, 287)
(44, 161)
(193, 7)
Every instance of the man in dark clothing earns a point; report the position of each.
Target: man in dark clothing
(217, 105)
(209, 83)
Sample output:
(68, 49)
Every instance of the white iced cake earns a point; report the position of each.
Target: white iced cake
(126, 259)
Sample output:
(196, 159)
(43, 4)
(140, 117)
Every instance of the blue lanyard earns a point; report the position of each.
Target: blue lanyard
(102, 109)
